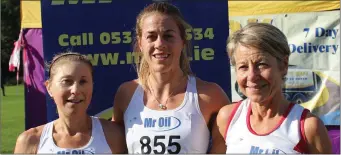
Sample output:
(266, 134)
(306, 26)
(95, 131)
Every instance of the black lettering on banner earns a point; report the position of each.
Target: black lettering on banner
(147, 149)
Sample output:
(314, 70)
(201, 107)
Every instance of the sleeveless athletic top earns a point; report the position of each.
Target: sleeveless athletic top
(97, 143)
(287, 137)
(180, 130)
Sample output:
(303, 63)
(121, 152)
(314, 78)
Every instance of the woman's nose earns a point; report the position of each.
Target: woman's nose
(253, 74)
(75, 88)
(160, 43)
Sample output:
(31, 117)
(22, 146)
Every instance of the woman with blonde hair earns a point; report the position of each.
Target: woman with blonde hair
(265, 122)
(70, 84)
(167, 109)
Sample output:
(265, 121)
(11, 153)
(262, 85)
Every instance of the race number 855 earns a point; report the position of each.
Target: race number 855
(147, 149)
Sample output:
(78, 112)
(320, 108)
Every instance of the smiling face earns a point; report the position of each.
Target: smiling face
(71, 87)
(259, 74)
(160, 42)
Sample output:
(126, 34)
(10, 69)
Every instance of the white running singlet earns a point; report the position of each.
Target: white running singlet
(96, 145)
(286, 138)
(181, 130)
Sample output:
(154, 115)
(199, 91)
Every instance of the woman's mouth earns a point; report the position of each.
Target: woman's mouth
(74, 101)
(161, 56)
(256, 87)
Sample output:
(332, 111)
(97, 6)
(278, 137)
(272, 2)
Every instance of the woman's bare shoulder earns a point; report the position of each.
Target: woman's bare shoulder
(27, 142)
(128, 85)
(212, 93)
(226, 111)
(125, 92)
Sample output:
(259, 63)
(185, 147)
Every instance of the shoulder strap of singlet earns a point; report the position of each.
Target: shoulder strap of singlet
(134, 102)
(45, 133)
(97, 126)
(233, 112)
(302, 145)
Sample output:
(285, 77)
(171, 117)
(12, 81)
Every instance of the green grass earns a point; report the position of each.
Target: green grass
(12, 117)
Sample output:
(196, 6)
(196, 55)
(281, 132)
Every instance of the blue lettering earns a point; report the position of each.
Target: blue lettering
(299, 48)
(161, 122)
(322, 48)
(149, 122)
(273, 151)
(71, 152)
(266, 151)
(315, 48)
(327, 48)
(319, 32)
(168, 121)
(334, 33)
(309, 47)
(260, 151)
(292, 48)
(335, 47)
(254, 150)
(329, 33)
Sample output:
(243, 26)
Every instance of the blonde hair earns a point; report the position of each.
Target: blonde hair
(165, 9)
(262, 36)
(60, 58)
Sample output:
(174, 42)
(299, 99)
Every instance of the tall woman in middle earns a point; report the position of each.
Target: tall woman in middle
(167, 109)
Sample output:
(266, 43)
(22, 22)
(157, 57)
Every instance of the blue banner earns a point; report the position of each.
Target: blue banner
(104, 30)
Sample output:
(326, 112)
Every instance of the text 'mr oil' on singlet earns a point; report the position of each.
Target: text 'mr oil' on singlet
(180, 130)
(286, 138)
(97, 143)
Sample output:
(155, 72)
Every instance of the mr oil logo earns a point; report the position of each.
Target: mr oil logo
(77, 151)
(164, 123)
(259, 150)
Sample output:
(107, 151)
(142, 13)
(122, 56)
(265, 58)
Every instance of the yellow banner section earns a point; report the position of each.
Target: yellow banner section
(245, 8)
(30, 14)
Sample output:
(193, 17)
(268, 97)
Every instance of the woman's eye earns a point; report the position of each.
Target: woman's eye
(262, 65)
(83, 81)
(67, 82)
(168, 36)
(151, 37)
(242, 68)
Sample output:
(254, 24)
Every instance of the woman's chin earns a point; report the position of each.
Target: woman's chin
(257, 98)
(161, 69)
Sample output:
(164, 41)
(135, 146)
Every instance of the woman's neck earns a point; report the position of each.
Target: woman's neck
(165, 84)
(73, 124)
(277, 105)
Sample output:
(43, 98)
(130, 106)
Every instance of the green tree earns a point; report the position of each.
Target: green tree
(10, 29)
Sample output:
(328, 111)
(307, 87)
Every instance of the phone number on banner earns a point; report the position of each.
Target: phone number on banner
(125, 37)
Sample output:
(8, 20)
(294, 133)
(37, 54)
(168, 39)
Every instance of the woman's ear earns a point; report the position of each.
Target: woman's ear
(139, 43)
(48, 87)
